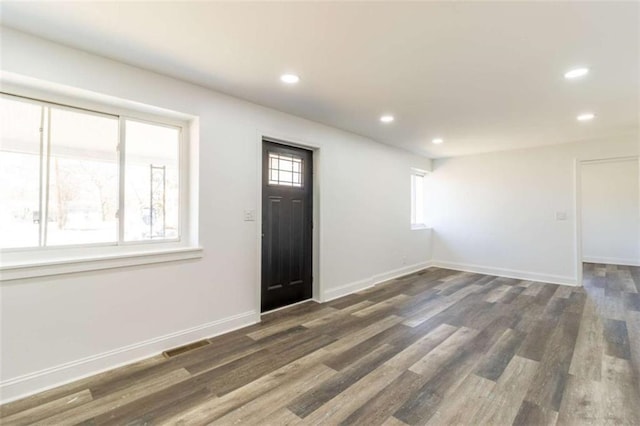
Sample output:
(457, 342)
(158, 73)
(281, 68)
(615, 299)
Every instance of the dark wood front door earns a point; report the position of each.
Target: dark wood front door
(286, 225)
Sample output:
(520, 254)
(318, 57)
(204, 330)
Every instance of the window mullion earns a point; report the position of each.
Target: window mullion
(121, 177)
(41, 177)
(44, 216)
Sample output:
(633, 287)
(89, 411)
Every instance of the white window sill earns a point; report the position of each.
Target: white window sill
(42, 267)
(419, 226)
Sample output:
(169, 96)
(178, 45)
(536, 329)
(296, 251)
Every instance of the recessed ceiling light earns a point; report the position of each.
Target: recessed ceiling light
(576, 73)
(437, 141)
(586, 116)
(387, 118)
(289, 78)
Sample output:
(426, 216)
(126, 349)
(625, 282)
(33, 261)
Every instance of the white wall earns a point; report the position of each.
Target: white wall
(611, 212)
(496, 213)
(58, 328)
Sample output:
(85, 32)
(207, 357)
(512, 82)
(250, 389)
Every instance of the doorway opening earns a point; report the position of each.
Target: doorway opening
(609, 212)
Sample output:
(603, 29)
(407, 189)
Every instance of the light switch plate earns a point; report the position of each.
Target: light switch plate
(561, 215)
(249, 215)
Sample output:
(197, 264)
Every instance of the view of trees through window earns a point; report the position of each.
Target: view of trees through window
(60, 177)
(83, 178)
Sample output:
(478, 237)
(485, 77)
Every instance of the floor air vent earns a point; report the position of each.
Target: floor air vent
(186, 348)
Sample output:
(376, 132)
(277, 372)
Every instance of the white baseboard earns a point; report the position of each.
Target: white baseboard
(611, 260)
(397, 273)
(22, 386)
(508, 273)
(346, 289)
(353, 287)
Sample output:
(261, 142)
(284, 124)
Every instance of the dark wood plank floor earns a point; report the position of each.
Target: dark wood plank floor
(436, 347)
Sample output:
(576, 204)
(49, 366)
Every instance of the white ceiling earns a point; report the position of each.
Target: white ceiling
(484, 76)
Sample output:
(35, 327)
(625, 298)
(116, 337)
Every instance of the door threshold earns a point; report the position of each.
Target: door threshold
(287, 306)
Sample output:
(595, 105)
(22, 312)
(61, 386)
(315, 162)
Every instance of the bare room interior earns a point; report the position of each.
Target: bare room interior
(320, 213)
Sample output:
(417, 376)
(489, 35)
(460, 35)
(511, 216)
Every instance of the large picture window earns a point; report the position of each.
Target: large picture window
(76, 177)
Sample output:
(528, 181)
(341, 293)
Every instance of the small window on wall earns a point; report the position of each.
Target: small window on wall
(285, 170)
(72, 177)
(418, 189)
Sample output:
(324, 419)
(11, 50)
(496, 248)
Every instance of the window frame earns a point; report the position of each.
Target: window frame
(26, 262)
(422, 174)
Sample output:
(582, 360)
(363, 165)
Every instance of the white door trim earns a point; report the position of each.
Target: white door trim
(293, 141)
(577, 171)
